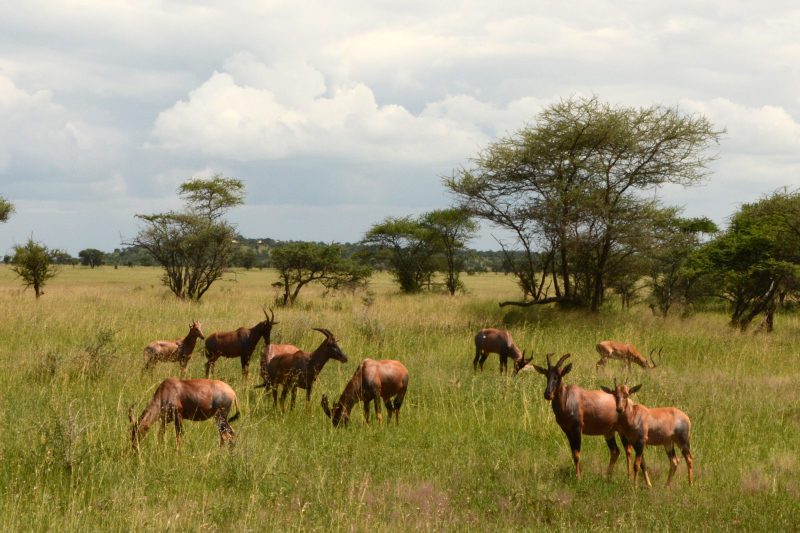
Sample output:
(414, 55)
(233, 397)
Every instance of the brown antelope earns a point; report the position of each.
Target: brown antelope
(373, 380)
(624, 352)
(192, 399)
(580, 412)
(179, 350)
(270, 351)
(662, 426)
(240, 343)
(498, 341)
(300, 369)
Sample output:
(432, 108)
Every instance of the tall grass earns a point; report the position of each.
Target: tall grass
(473, 452)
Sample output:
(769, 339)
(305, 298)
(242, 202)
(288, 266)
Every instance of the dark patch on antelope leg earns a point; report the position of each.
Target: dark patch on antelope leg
(614, 449)
(574, 437)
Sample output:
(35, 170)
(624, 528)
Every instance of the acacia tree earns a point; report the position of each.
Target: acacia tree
(6, 209)
(194, 246)
(92, 257)
(756, 258)
(301, 263)
(408, 248)
(34, 263)
(450, 230)
(569, 188)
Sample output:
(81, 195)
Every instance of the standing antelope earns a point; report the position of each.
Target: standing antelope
(623, 352)
(193, 399)
(179, 350)
(580, 412)
(373, 380)
(498, 341)
(662, 426)
(240, 343)
(300, 369)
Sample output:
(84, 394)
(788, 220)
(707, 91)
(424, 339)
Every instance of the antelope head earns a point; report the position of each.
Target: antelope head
(520, 363)
(334, 352)
(194, 327)
(337, 414)
(621, 393)
(554, 374)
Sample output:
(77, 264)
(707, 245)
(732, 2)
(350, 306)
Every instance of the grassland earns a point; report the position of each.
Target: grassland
(473, 453)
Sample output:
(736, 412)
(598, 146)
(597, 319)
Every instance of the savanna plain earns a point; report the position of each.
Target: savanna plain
(472, 452)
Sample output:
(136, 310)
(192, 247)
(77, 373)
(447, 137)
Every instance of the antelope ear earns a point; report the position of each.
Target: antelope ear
(635, 389)
(566, 369)
(540, 370)
(606, 389)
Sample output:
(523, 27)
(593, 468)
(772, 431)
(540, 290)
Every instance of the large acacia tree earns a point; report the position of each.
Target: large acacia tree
(6, 209)
(196, 245)
(572, 189)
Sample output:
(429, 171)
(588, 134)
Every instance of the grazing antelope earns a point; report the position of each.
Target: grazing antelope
(580, 412)
(270, 351)
(240, 343)
(192, 399)
(179, 350)
(373, 380)
(662, 426)
(624, 352)
(498, 341)
(300, 369)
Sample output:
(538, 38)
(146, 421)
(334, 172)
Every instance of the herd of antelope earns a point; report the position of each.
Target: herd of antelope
(578, 411)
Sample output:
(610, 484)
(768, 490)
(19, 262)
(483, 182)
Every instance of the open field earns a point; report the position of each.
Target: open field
(482, 454)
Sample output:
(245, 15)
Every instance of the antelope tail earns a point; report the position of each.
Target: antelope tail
(238, 411)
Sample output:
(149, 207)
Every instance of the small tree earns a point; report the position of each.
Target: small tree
(6, 209)
(194, 246)
(92, 257)
(33, 262)
(408, 248)
(301, 263)
(449, 230)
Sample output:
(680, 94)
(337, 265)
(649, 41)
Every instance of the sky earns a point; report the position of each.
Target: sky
(339, 114)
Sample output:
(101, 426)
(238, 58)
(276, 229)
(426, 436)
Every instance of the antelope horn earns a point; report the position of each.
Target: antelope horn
(324, 332)
(549, 364)
(563, 358)
(273, 315)
(653, 361)
(626, 380)
(615, 383)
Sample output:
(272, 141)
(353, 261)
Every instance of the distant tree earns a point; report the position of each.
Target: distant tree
(194, 246)
(246, 258)
(449, 231)
(301, 263)
(6, 259)
(757, 258)
(33, 262)
(572, 189)
(63, 258)
(407, 247)
(92, 257)
(146, 261)
(6, 209)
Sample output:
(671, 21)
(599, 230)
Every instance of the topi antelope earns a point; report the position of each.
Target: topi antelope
(661, 426)
(240, 343)
(179, 350)
(373, 380)
(300, 369)
(580, 412)
(192, 399)
(624, 352)
(498, 341)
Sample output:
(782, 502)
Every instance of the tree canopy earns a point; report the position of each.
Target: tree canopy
(34, 263)
(194, 246)
(571, 188)
(301, 263)
(6, 209)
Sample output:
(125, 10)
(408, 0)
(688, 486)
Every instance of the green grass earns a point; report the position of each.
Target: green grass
(472, 453)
